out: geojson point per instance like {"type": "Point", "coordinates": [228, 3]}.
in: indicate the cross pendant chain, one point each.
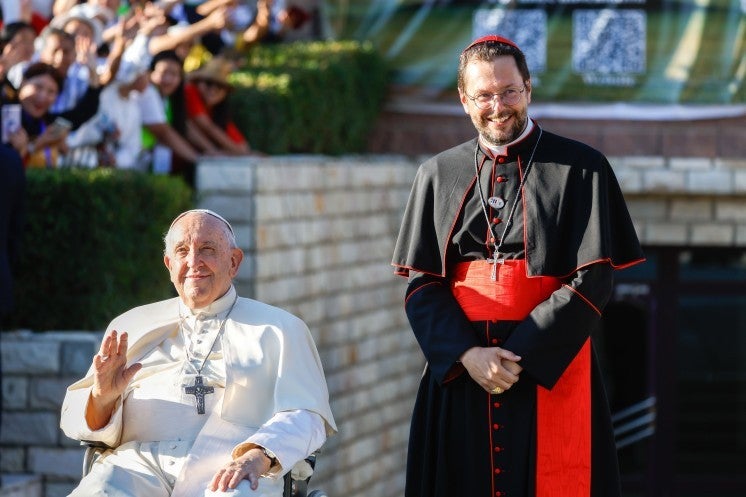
{"type": "Point", "coordinates": [498, 242]}
{"type": "Point", "coordinates": [495, 260]}
{"type": "Point", "coordinates": [199, 390]}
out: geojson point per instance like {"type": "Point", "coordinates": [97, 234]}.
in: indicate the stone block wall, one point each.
{"type": "Point", "coordinates": [684, 201]}
{"type": "Point", "coordinates": [318, 234]}
{"type": "Point", "coordinates": [36, 369]}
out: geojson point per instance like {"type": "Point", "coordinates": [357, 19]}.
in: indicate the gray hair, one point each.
{"type": "Point", "coordinates": [230, 236]}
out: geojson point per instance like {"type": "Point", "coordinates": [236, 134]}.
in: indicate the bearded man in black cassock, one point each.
{"type": "Point", "coordinates": [509, 242]}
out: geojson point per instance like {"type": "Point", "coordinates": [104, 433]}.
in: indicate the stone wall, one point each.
{"type": "Point", "coordinates": [684, 201]}
{"type": "Point", "coordinates": [318, 234]}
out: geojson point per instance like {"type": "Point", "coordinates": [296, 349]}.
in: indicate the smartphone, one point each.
{"type": "Point", "coordinates": [62, 123]}
{"type": "Point", "coordinates": [59, 127]}
{"type": "Point", "coordinates": [11, 119]}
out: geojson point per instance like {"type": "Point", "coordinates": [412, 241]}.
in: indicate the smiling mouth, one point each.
{"type": "Point", "coordinates": [500, 120]}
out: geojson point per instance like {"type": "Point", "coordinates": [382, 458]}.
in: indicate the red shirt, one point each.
{"type": "Point", "coordinates": [195, 107]}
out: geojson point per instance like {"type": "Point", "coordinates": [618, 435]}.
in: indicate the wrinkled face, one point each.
{"type": "Point", "coordinates": [22, 43]}
{"type": "Point", "coordinates": [37, 94]}
{"type": "Point", "coordinates": [58, 53]}
{"type": "Point", "coordinates": [200, 259]}
{"type": "Point", "coordinates": [166, 76]}
{"type": "Point", "coordinates": [499, 124]}
{"type": "Point", "coordinates": [212, 93]}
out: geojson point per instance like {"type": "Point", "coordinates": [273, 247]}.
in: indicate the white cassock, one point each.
{"type": "Point", "coordinates": [269, 390]}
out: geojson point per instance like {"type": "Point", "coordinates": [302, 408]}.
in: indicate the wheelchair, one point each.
{"type": "Point", "coordinates": [292, 487]}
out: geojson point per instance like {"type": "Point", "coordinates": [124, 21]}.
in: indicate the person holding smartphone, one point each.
{"type": "Point", "coordinates": [41, 136]}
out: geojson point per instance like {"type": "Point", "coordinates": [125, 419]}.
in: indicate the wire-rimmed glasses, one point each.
{"type": "Point", "coordinates": [510, 96]}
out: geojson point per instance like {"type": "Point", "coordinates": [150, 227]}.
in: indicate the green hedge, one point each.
{"type": "Point", "coordinates": [318, 97]}
{"type": "Point", "coordinates": [92, 246]}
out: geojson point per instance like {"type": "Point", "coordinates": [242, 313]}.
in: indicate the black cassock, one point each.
{"type": "Point", "coordinates": [570, 224]}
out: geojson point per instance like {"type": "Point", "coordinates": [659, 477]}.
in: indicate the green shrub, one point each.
{"type": "Point", "coordinates": [318, 97]}
{"type": "Point", "coordinates": [92, 246]}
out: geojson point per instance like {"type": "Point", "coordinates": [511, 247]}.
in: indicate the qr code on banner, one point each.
{"type": "Point", "coordinates": [608, 41]}
{"type": "Point", "coordinates": [527, 28]}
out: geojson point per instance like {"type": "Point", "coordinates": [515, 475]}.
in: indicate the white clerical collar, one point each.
{"type": "Point", "coordinates": [503, 149]}
{"type": "Point", "coordinates": [218, 306]}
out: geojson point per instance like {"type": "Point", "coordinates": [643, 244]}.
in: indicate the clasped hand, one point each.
{"type": "Point", "coordinates": [492, 367]}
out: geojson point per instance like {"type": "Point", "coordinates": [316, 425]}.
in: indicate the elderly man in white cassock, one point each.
{"type": "Point", "coordinates": [205, 394]}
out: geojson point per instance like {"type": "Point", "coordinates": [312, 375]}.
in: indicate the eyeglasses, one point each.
{"type": "Point", "coordinates": [511, 96]}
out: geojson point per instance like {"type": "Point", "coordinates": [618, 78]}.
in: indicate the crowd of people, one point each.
{"type": "Point", "coordinates": [122, 83]}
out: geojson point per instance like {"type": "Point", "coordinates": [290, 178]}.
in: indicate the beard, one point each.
{"type": "Point", "coordinates": [504, 136]}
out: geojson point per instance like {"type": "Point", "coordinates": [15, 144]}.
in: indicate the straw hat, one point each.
{"type": "Point", "coordinates": [105, 15]}
{"type": "Point", "coordinates": [216, 71]}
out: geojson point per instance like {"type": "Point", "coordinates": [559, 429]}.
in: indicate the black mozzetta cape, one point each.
{"type": "Point", "coordinates": [571, 200]}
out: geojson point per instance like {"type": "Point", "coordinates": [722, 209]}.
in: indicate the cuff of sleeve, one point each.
{"type": "Point", "coordinates": [74, 424]}
{"type": "Point", "coordinates": [457, 370]}
{"type": "Point", "coordinates": [110, 433]}
{"type": "Point", "coordinates": [275, 467]}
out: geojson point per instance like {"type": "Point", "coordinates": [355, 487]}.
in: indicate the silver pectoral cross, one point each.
{"type": "Point", "coordinates": [199, 390]}
{"type": "Point", "coordinates": [495, 260]}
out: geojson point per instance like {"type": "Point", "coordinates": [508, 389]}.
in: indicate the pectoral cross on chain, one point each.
{"type": "Point", "coordinates": [199, 390]}
{"type": "Point", "coordinates": [495, 260]}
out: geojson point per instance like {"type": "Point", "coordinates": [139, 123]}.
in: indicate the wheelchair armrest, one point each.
{"type": "Point", "coordinates": [94, 444]}
{"type": "Point", "coordinates": [298, 487]}
{"type": "Point", "coordinates": [93, 450]}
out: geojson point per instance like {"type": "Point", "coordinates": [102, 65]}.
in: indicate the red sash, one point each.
{"type": "Point", "coordinates": [563, 454]}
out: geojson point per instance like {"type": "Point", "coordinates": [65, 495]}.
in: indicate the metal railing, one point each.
{"type": "Point", "coordinates": [634, 423]}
